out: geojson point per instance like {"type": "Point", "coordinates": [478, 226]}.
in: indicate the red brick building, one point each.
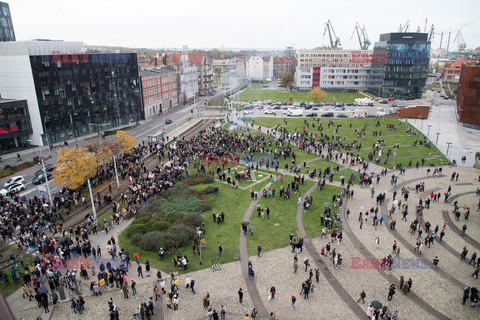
{"type": "Point", "coordinates": [282, 65]}
{"type": "Point", "coordinates": [452, 73]}
{"type": "Point", "coordinates": [468, 95]}
{"type": "Point", "coordinates": [159, 90]}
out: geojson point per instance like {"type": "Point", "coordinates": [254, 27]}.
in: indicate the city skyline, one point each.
{"type": "Point", "coordinates": [214, 24]}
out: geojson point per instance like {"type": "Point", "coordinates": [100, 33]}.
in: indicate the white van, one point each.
{"type": "Point", "coordinates": [296, 113]}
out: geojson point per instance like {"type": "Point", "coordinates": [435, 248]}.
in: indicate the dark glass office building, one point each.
{"type": "Point", "coordinates": [86, 93]}
{"type": "Point", "coordinates": [15, 126]}
{"type": "Point", "coordinates": [6, 25]}
{"type": "Point", "coordinates": [400, 65]}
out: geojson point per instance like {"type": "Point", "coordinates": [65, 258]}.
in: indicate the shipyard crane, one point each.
{"type": "Point", "coordinates": [334, 41]}
{"type": "Point", "coordinates": [362, 36]}
{"type": "Point", "coordinates": [431, 33]}
{"type": "Point", "coordinates": [404, 28]}
{"type": "Point", "coordinates": [461, 45]}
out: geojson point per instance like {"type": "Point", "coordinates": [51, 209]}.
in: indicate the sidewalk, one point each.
{"type": "Point", "coordinates": [443, 119]}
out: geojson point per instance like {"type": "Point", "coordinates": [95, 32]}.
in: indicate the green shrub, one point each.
{"type": "Point", "coordinates": [136, 238]}
{"type": "Point", "coordinates": [184, 205]}
{"type": "Point", "coordinates": [135, 228]}
{"type": "Point", "coordinates": [194, 179]}
{"type": "Point", "coordinates": [208, 190]}
{"type": "Point", "coordinates": [191, 220]}
{"type": "Point", "coordinates": [181, 234]}
{"type": "Point", "coordinates": [160, 224]}
{"type": "Point", "coordinates": [208, 179]}
{"type": "Point", "coordinates": [8, 167]}
{"type": "Point", "coordinates": [153, 240]}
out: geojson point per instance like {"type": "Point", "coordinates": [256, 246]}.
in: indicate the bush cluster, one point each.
{"type": "Point", "coordinates": [197, 178]}
{"type": "Point", "coordinates": [172, 217]}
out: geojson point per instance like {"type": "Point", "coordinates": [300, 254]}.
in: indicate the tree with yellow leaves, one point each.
{"type": "Point", "coordinates": [74, 166]}
{"type": "Point", "coordinates": [125, 141]}
{"type": "Point", "coordinates": [317, 94]}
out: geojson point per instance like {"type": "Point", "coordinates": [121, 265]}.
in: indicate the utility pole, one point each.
{"type": "Point", "coordinates": [429, 126]}
{"type": "Point", "coordinates": [438, 134]}
{"type": "Point", "coordinates": [116, 172]}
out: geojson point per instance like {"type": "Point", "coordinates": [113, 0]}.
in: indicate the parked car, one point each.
{"type": "Point", "coordinates": [168, 121]}
{"type": "Point", "coordinates": [269, 111]}
{"type": "Point", "coordinates": [13, 180]}
{"type": "Point", "coordinates": [313, 114]}
{"type": "Point", "coordinates": [295, 113]}
{"type": "Point", "coordinates": [328, 115]}
{"type": "Point", "coordinates": [48, 168]}
{"type": "Point", "coordinates": [390, 99]}
{"type": "Point", "coordinates": [277, 107]}
{"type": "Point", "coordinates": [248, 111]}
{"type": "Point", "coordinates": [17, 187]}
{"type": "Point", "coordinates": [41, 178]}
{"type": "Point", "coordinates": [342, 115]}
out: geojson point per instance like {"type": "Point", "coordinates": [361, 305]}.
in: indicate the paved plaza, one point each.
{"type": "Point", "coordinates": [435, 293]}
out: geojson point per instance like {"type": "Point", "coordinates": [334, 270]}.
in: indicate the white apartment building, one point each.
{"type": "Point", "coordinates": [322, 57]}
{"type": "Point", "coordinates": [344, 78]}
{"type": "Point", "coordinates": [304, 78]}
{"type": "Point", "coordinates": [254, 69]}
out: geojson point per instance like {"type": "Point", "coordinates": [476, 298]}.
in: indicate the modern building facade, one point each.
{"type": "Point", "coordinates": [290, 52]}
{"type": "Point", "coordinates": [159, 90]}
{"type": "Point", "coordinates": [400, 65]}
{"type": "Point", "coordinates": [468, 95]}
{"type": "Point", "coordinates": [70, 93]}
{"type": "Point", "coordinates": [15, 126]}
{"type": "Point", "coordinates": [6, 26]}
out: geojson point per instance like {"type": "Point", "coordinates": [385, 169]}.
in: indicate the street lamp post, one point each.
{"type": "Point", "coordinates": [429, 126]}
{"type": "Point", "coordinates": [93, 202]}
{"type": "Point", "coordinates": [438, 134]}
{"type": "Point", "coordinates": [116, 172]}
{"type": "Point", "coordinates": [448, 148]}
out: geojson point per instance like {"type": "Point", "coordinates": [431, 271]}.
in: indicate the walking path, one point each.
{"type": "Point", "coordinates": [244, 258]}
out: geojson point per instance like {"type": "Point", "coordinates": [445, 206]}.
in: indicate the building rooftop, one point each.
{"type": "Point", "coordinates": [156, 72]}
{"type": "Point", "coordinates": [10, 100]}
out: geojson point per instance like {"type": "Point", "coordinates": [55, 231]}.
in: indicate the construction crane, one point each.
{"type": "Point", "coordinates": [334, 43]}
{"type": "Point", "coordinates": [404, 28]}
{"type": "Point", "coordinates": [431, 33]}
{"type": "Point", "coordinates": [461, 45]}
{"type": "Point", "coordinates": [362, 36]}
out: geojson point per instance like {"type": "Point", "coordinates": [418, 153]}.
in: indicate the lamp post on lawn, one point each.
{"type": "Point", "coordinates": [448, 148]}
{"type": "Point", "coordinates": [429, 126]}
{"type": "Point", "coordinates": [438, 134]}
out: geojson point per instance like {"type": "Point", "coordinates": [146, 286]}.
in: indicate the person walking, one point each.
{"type": "Point", "coordinates": [223, 312]}
{"type": "Point", "coordinates": [240, 295]}
{"type": "Point", "coordinates": [377, 242]}
{"type": "Point", "coordinates": [125, 290]}
{"type": "Point", "coordinates": [362, 297]}
{"type": "Point", "coordinates": [272, 292]}
{"type": "Point", "coordinates": [134, 289]}
{"type": "Point", "coordinates": [259, 250]}
{"type": "Point", "coordinates": [293, 301]}
{"type": "Point", "coordinates": [391, 292]}
{"type": "Point", "coordinates": [435, 262]}
{"type": "Point", "coordinates": [295, 266]}
{"type": "Point", "coordinates": [139, 271]}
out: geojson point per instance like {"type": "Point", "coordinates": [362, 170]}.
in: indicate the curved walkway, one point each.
{"type": "Point", "coordinates": [244, 258]}
{"type": "Point", "coordinates": [332, 280]}
{"type": "Point", "coordinates": [405, 242]}
{"type": "Point", "coordinates": [452, 225]}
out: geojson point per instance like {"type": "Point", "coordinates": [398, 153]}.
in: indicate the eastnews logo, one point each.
{"type": "Point", "coordinates": [397, 263]}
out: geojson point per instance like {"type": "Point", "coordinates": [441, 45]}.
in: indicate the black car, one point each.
{"type": "Point", "coordinates": [48, 167]}
{"type": "Point", "coordinates": [308, 107]}
{"type": "Point", "coordinates": [276, 107]}
{"type": "Point", "coordinates": [342, 115]}
{"type": "Point", "coordinates": [41, 178]}
{"type": "Point", "coordinates": [168, 121]}
{"type": "Point", "coordinates": [313, 114]}
{"type": "Point", "coordinates": [328, 115]}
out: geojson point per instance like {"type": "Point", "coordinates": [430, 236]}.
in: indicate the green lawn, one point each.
{"type": "Point", "coordinates": [282, 212]}
{"type": "Point", "coordinates": [311, 218]}
{"type": "Point", "coordinates": [234, 203]}
{"type": "Point", "coordinates": [8, 290]}
{"type": "Point", "coordinates": [283, 95]}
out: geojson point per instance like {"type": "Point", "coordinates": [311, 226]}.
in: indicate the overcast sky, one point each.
{"type": "Point", "coordinates": [237, 24]}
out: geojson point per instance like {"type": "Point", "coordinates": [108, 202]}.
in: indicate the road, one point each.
{"type": "Point", "coordinates": [143, 132]}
